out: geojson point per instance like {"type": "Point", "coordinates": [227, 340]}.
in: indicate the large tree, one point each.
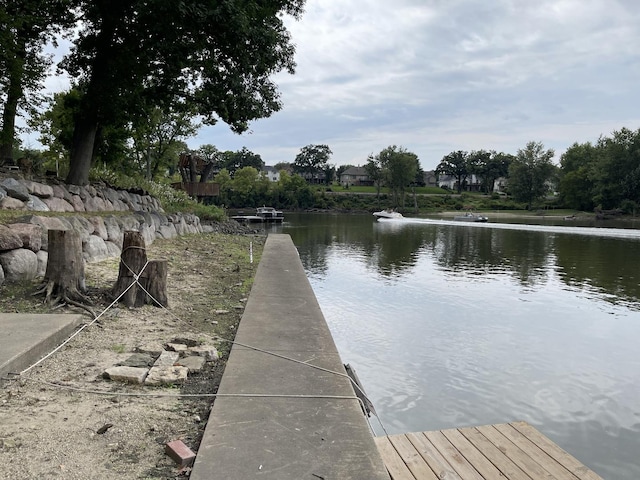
{"type": "Point", "coordinates": [455, 164]}
{"type": "Point", "coordinates": [217, 57]}
{"type": "Point", "coordinates": [490, 166]}
{"type": "Point", "coordinates": [578, 176]}
{"type": "Point", "coordinates": [312, 161]}
{"type": "Point", "coordinates": [234, 161]}
{"type": "Point", "coordinates": [25, 28]}
{"type": "Point", "coordinates": [399, 167]}
{"type": "Point", "coordinates": [530, 172]}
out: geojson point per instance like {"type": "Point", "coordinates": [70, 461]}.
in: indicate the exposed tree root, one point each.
{"type": "Point", "coordinates": [57, 296]}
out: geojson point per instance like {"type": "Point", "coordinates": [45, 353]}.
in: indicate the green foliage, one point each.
{"type": "Point", "coordinates": [530, 172]}
{"type": "Point", "coordinates": [457, 165]}
{"type": "Point", "coordinates": [217, 58]}
{"type": "Point", "coordinates": [312, 161]}
{"type": "Point", "coordinates": [397, 167]}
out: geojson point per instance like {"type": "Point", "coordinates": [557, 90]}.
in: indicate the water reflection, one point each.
{"type": "Point", "coordinates": [452, 326]}
{"type": "Point", "coordinates": [597, 265]}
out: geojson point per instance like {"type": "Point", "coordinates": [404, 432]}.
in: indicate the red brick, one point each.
{"type": "Point", "coordinates": [180, 453]}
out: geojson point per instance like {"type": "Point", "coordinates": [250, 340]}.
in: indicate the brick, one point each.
{"type": "Point", "coordinates": [207, 351]}
{"type": "Point", "coordinates": [193, 362]}
{"type": "Point", "coordinates": [166, 375]}
{"type": "Point", "coordinates": [127, 374]}
{"type": "Point", "coordinates": [180, 453]}
{"type": "Point", "coordinates": [167, 359]}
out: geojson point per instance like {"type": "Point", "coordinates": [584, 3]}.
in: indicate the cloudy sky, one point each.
{"type": "Point", "coordinates": [436, 76]}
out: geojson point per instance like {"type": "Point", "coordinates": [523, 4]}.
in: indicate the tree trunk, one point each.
{"type": "Point", "coordinates": [15, 70]}
{"type": "Point", "coordinates": [137, 275]}
{"type": "Point", "coordinates": [64, 279]}
{"type": "Point", "coordinates": [84, 136]}
{"type": "Point", "coordinates": [154, 281]}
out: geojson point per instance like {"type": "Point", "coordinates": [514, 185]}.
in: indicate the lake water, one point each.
{"type": "Point", "coordinates": [451, 325]}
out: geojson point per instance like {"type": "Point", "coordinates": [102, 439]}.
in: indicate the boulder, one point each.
{"type": "Point", "coordinates": [56, 204]}
{"type": "Point", "coordinates": [78, 204]}
{"type": "Point", "coordinates": [9, 239]}
{"type": "Point", "coordinates": [114, 230]}
{"type": "Point", "coordinates": [43, 258]}
{"type": "Point", "coordinates": [99, 228]}
{"type": "Point", "coordinates": [19, 265]}
{"type": "Point", "coordinates": [83, 226]}
{"type": "Point", "coordinates": [113, 249]}
{"type": "Point", "coordinates": [172, 375]}
{"type": "Point", "coordinates": [3, 193]}
{"type": "Point", "coordinates": [1, 275]}
{"type": "Point", "coordinates": [10, 203]}
{"type": "Point", "coordinates": [94, 249]}
{"type": "Point", "coordinates": [31, 235]}
{"type": "Point", "coordinates": [38, 189]}
{"type": "Point", "coordinates": [36, 205]}
{"type": "Point", "coordinates": [15, 189]}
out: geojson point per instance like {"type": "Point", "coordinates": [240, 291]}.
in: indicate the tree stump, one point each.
{"type": "Point", "coordinates": [136, 274]}
{"type": "Point", "coordinates": [64, 279]}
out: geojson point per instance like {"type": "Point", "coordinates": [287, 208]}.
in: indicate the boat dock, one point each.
{"type": "Point", "coordinates": [510, 451]}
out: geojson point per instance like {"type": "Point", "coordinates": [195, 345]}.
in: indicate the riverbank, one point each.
{"type": "Point", "coordinates": [103, 429]}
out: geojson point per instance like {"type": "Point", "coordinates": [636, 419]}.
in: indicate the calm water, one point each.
{"type": "Point", "coordinates": [453, 325]}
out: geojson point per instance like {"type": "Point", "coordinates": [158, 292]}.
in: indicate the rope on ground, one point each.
{"type": "Point", "coordinates": [233, 342]}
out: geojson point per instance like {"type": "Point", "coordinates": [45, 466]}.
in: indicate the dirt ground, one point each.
{"type": "Point", "coordinates": [104, 429]}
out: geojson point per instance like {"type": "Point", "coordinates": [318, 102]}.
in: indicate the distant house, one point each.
{"type": "Point", "coordinates": [271, 173]}
{"type": "Point", "coordinates": [355, 176]}
{"type": "Point", "coordinates": [430, 179]}
{"type": "Point", "coordinates": [472, 183]}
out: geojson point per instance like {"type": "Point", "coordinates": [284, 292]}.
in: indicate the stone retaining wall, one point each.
{"type": "Point", "coordinates": [23, 243]}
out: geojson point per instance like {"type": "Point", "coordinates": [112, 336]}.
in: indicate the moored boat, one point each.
{"type": "Point", "coordinates": [269, 214]}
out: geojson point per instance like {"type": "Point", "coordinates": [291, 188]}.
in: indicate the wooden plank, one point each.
{"type": "Point", "coordinates": [562, 457]}
{"type": "Point", "coordinates": [495, 456]}
{"type": "Point", "coordinates": [438, 463]}
{"type": "Point", "coordinates": [514, 453]}
{"type": "Point", "coordinates": [451, 444]}
{"type": "Point", "coordinates": [392, 460]}
{"type": "Point", "coordinates": [536, 453]}
{"type": "Point", "coordinates": [471, 453]}
{"type": "Point", "coordinates": [412, 459]}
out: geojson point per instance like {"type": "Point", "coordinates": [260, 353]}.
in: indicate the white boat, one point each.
{"type": "Point", "coordinates": [389, 214]}
{"type": "Point", "coordinates": [471, 217]}
{"type": "Point", "coordinates": [269, 214]}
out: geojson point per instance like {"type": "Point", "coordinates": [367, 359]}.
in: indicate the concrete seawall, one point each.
{"type": "Point", "coordinates": [282, 419]}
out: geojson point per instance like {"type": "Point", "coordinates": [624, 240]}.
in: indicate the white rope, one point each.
{"type": "Point", "coordinates": [233, 342]}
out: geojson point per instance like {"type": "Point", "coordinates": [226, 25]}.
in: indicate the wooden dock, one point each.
{"type": "Point", "coordinates": [510, 451]}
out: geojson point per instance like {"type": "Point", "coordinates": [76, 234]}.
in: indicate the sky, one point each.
{"type": "Point", "coordinates": [436, 76]}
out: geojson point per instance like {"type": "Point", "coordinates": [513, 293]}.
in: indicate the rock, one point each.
{"type": "Point", "coordinates": [114, 230]}
{"type": "Point", "coordinates": [36, 205]}
{"type": "Point", "coordinates": [113, 249]}
{"type": "Point", "coordinates": [154, 349]}
{"type": "Point", "coordinates": [38, 189]}
{"type": "Point", "coordinates": [126, 374]}
{"type": "Point", "coordinates": [15, 189]}
{"type": "Point", "coordinates": [30, 234]}
{"type": "Point", "coordinates": [139, 360]}
{"type": "Point", "coordinates": [3, 193]}
{"type": "Point", "coordinates": [207, 351]}
{"type": "Point", "coordinates": [1, 275]}
{"type": "Point", "coordinates": [176, 347]}
{"type": "Point", "coordinates": [19, 265]}
{"type": "Point", "coordinates": [166, 359]}
{"type": "Point", "coordinates": [56, 204]}
{"type": "Point", "coordinates": [60, 192]}
{"type": "Point", "coordinates": [167, 231]}
{"type": "Point", "coordinates": [43, 258]}
{"type": "Point", "coordinates": [189, 341]}
{"type": "Point", "coordinates": [81, 225]}
{"type": "Point", "coordinates": [99, 228]}
{"type": "Point", "coordinates": [77, 203]}
{"type": "Point", "coordinates": [166, 375]}
{"type": "Point", "coordinates": [9, 239]}
{"type": "Point", "coordinates": [94, 249]}
{"type": "Point", "coordinates": [10, 203]}
{"type": "Point", "coordinates": [193, 362]}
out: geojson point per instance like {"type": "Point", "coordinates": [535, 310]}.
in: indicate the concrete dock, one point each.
{"type": "Point", "coordinates": [28, 337]}
{"type": "Point", "coordinates": [275, 418]}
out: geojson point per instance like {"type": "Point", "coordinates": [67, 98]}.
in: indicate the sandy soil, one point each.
{"type": "Point", "coordinates": [47, 431]}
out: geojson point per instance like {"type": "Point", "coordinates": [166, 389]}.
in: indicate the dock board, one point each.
{"type": "Point", "coordinates": [510, 451]}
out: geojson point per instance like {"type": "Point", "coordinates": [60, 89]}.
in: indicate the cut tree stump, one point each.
{"type": "Point", "coordinates": [151, 275]}
{"type": "Point", "coordinates": [64, 280]}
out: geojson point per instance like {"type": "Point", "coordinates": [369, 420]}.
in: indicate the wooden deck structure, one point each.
{"type": "Point", "coordinates": [510, 451]}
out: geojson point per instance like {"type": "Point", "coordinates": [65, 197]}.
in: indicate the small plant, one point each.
{"type": "Point", "coordinates": [119, 348]}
